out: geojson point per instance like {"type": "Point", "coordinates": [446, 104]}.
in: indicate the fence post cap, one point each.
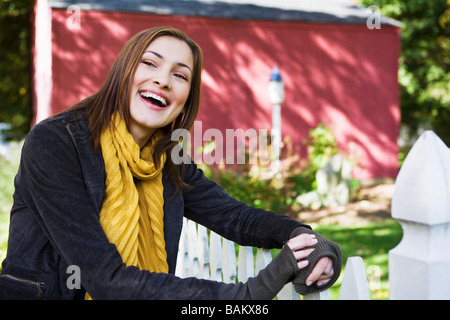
{"type": "Point", "coordinates": [422, 190]}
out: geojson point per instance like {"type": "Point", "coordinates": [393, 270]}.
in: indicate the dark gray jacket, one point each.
{"type": "Point", "coordinates": [59, 190]}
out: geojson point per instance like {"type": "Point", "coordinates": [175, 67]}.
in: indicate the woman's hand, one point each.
{"type": "Point", "coordinates": [301, 247]}
{"type": "Point", "coordinates": [322, 272]}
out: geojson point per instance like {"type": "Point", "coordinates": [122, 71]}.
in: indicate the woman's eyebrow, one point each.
{"type": "Point", "coordinates": [161, 57]}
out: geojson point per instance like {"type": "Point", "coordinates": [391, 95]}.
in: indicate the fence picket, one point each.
{"type": "Point", "coordinates": [203, 249]}
{"type": "Point", "coordinates": [192, 248]}
{"type": "Point", "coordinates": [263, 258]}
{"type": "Point", "coordinates": [228, 261]}
{"type": "Point", "coordinates": [182, 268]}
{"type": "Point", "coordinates": [354, 284]}
{"type": "Point", "coordinates": [215, 257]}
{"type": "Point", "coordinates": [246, 265]}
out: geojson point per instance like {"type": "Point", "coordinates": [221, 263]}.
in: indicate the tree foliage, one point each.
{"type": "Point", "coordinates": [424, 73]}
{"type": "Point", "coordinates": [15, 65]}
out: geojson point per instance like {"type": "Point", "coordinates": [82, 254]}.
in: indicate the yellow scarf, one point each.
{"type": "Point", "coordinates": [132, 211]}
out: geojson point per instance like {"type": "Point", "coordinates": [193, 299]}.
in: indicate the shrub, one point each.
{"type": "Point", "coordinates": [277, 192]}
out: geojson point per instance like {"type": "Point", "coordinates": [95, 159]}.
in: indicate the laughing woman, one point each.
{"type": "Point", "coordinates": [97, 189]}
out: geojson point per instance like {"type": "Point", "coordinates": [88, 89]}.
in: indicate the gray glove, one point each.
{"type": "Point", "coordinates": [323, 248]}
{"type": "Point", "coordinates": [269, 281]}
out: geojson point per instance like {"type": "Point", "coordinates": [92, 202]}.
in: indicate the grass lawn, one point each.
{"type": "Point", "coordinates": [371, 242]}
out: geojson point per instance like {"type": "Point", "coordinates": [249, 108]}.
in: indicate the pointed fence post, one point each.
{"type": "Point", "coordinates": [192, 245]}
{"type": "Point", "coordinates": [228, 261]}
{"type": "Point", "coordinates": [203, 252]}
{"type": "Point", "coordinates": [263, 258]}
{"type": "Point", "coordinates": [215, 256]}
{"type": "Point", "coordinates": [246, 264]}
{"type": "Point", "coordinates": [354, 284]}
{"type": "Point", "coordinates": [419, 267]}
{"type": "Point", "coordinates": [182, 267]}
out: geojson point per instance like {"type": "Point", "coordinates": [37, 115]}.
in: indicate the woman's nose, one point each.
{"type": "Point", "coordinates": [162, 79]}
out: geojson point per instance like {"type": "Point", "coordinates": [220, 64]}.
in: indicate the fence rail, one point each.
{"type": "Point", "coordinates": [206, 255]}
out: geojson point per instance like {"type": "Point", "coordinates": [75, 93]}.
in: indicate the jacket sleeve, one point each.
{"type": "Point", "coordinates": [208, 204]}
{"type": "Point", "coordinates": [51, 183]}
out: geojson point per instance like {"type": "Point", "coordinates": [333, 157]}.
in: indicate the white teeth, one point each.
{"type": "Point", "coordinates": [146, 94]}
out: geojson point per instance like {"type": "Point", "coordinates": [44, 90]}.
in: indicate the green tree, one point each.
{"type": "Point", "coordinates": [15, 65]}
{"type": "Point", "coordinates": [424, 73]}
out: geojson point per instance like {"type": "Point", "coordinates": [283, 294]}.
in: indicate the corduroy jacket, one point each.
{"type": "Point", "coordinates": [54, 224]}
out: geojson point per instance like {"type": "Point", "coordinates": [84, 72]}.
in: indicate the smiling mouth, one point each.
{"type": "Point", "coordinates": [154, 99]}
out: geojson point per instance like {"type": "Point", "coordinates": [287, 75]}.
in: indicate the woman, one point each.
{"type": "Point", "coordinates": [96, 189]}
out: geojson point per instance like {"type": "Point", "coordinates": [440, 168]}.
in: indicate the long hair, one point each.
{"type": "Point", "coordinates": [114, 95]}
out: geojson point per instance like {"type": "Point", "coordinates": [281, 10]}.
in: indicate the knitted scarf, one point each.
{"type": "Point", "coordinates": [132, 210]}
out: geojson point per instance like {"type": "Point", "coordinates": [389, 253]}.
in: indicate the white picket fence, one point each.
{"type": "Point", "coordinates": [419, 267]}
{"type": "Point", "coordinates": [206, 255]}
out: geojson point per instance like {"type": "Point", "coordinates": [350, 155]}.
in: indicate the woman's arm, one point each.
{"type": "Point", "coordinates": [208, 204]}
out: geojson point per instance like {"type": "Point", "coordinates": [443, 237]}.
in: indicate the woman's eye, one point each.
{"type": "Point", "coordinates": [178, 75]}
{"type": "Point", "coordinates": [148, 63]}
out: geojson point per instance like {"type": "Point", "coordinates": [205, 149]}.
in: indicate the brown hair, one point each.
{"type": "Point", "coordinates": [114, 95]}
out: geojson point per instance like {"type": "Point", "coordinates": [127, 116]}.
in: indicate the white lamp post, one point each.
{"type": "Point", "coordinates": [276, 97]}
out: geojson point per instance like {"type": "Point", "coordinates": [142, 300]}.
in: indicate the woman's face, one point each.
{"type": "Point", "coordinates": [160, 86]}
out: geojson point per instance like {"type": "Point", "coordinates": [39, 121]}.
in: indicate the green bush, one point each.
{"type": "Point", "coordinates": [278, 192]}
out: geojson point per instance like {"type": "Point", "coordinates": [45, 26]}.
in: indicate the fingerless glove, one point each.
{"type": "Point", "coordinates": [323, 248]}
{"type": "Point", "coordinates": [269, 281]}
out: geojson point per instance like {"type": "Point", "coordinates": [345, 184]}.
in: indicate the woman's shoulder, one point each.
{"type": "Point", "coordinates": [58, 123]}
{"type": "Point", "coordinates": [56, 131]}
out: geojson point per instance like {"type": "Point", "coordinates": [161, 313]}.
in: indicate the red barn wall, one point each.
{"type": "Point", "coordinates": [343, 75]}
